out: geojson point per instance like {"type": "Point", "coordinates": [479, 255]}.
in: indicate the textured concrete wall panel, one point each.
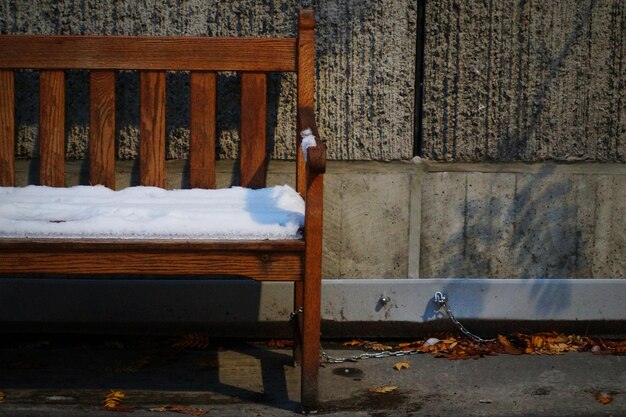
{"type": "Point", "coordinates": [528, 80]}
{"type": "Point", "coordinates": [365, 71]}
{"type": "Point", "coordinates": [366, 56]}
{"type": "Point", "coordinates": [543, 223]}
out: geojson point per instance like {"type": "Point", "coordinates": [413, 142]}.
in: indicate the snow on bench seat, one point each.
{"type": "Point", "coordinates": [150, 213]}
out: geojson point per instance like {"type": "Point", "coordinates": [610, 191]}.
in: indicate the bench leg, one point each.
{"type": "Point", "coordinates": [298, 303]}
{"type": "Point", "coordinates": [310, 345]}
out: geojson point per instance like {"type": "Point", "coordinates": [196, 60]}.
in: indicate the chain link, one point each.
{"type": "Point", "coordinates": [441, 300]}
{"type": "Point", "coordinates": [376, 355]}
{"type": "Point", "coordinates": [294, 314]}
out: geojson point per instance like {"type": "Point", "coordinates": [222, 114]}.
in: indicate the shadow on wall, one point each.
{"type": "Point", "coordinates": [506, 225]}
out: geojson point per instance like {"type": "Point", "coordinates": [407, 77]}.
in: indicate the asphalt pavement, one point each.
{"type": "Point", "coordinates": [72, 375]}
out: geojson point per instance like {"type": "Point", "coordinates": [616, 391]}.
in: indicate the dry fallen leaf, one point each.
{"type": "Point", "coordinates": [508, 347]}
{"type": "Point", "coordinates": [384, 389]}
{"type": "Point", "coordinates": [113, 401]}
{"type": "Point", "coordinates": [603, 397]}
{"type": "Point", "coordinates": [199, 341]}
{"type": "Point", "coordinates": [274, 343]}
{"type": "Point", "coordinates": [546, 343]}
{"type": "Point", "coordinates": [182, 409]}
{"type": "Point", "coordinates": [401, 365]}
{"type": "Point", "coordinates": [409, 344]}
{"type": "Point", "coordinates": [380, 346]}
{"type": "Point", "coordinates": [353, 343]}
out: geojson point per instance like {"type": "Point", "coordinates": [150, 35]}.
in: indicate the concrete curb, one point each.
{"type": "Point", "coordinates": [350, 308]}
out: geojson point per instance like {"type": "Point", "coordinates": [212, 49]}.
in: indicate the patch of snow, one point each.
{"type": "Point", "coordinates": [308, 140]}
{"type": "Point", "coordinates": [150, 213]}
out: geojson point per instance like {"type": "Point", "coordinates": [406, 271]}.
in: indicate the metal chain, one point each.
{"type": "Point", "coordinates": [442, 301]}
{"type": "Point", "coordinates": [294, 314]}
{"type": "Point", "coordinates": [376, 355]}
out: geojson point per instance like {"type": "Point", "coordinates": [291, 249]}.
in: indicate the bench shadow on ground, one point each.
{"type": "Point", "coordinates": [152, 368]}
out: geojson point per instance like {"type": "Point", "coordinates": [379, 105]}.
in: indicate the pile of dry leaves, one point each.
{"type": "Point", "coordinates": [453, 347]}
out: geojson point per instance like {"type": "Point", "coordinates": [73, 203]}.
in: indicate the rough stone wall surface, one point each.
{"type": "Point", "coordinates": [365, 71]}
{"type": "Point", "coordinates": [525, 80]}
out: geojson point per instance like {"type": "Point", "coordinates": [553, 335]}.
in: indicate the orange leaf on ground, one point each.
{"type": "Point", "coordinates": [198, 341]}
{"type": "Point", "coordinates": [279, 343]}
{"type": "Point", "coordinates": [409, 344]}
{"type": "Point", "coordinates": [380, 346]}
{"type": "Point", "coordinates": [401, 365]}
{"type": "Point", "coordinates": [384, 389]}
{"type": "Point", "coordinates": [508, 347]}
{"type": "Point", "coordinates": [353, 343]}
{"type": "Point", "coordinates": [603, 397]}
{"type": "Point", "coordinates": [112, 402]}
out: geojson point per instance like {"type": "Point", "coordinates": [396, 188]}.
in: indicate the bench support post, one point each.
{"type": "Point", "coordinates": [312, 293]}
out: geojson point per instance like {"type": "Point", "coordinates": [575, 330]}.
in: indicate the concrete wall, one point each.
{"type": "Point", "coordinates": [503, 81]}
{"type": "Point", "coordinates": [365, 71]}
{"type": "Point", "coordinates": [525, 80]}
{"type": "Point", "coordinates": [524, 221]}
{"type": "Point", "coordinates": [438, 220]}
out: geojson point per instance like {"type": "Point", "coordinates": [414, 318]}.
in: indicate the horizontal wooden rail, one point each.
{"type": "Point", "coordinates": [8, 245]}
{"type": "Point", "coordinates": [148, 53]}
{"type": "Point", "coordinates": [267, 260]}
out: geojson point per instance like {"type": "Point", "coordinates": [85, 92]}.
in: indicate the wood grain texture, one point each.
{"type": "Point", "coordinates": [203, 130]}
{"type": "Point", "coordinates": [305, 91]}
{"type": "Point", "coordinates": [148, 53]}
{"type": "Point", "coordinates": [52, 128]}
{"type": "Point", "coordinates": [102, 128]}
{"type": "Point", "coordinates": [7, 129]}
{"type": "Point", "coordinates": [252, 165]}
{"type": "Point", "coordinates": [267, 267]}
{"type": "Point", "coordinates": [312, 291]}
{"type": "Point", "coordinates": [152, 126]}
{"type": "Point", "coordinates": [266, 260]}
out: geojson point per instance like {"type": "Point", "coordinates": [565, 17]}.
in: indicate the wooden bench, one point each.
{"type": "Point", "coordinates": [296, 260]}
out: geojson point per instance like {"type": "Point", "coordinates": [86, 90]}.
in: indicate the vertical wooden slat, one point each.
{"type": "Point", "coordinates": [203, 129]}
{"type": "Point", "coordinates": [52, 128]}
{"type": "Point", "coordinates": [152, 129]}
{"type": "Point", "coordinates": [7, 129]}
{"type": "Point", "coordinates": [252, 131]}
{"type": "Point", "coordinates": [306, 86]}
{"type": "Point", "coordinates": [102, 128]}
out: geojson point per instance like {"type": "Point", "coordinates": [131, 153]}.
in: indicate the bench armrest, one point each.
{"type": "Point", "coordinates": [316, 155]}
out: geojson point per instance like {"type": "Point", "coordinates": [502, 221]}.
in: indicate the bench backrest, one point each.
{"type": "Point", "coordinates": [152, 57]}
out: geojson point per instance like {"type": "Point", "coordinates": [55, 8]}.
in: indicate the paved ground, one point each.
{"type": "Point", "coordinates": [43, 376]}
